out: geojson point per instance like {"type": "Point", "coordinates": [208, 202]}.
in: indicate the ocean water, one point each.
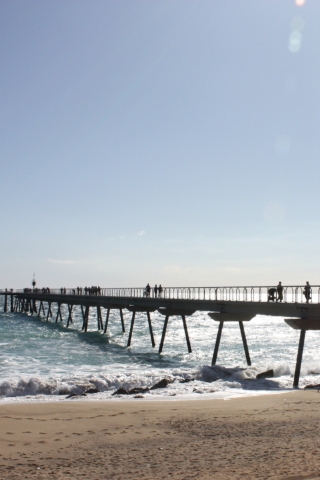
{"type": "Point", "coordinates": [45, 361]}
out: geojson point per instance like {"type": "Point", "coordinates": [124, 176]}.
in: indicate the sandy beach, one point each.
{"type": "Point", "coordinates": [264, 437]}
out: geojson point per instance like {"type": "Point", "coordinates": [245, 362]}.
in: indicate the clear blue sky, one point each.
{"type": "Point", "coordinates": [161, 141]}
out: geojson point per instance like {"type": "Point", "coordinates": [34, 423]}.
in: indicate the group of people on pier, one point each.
{"type": "Point", "coordinates": [157, 291]}
{"type": "Point", "coordinates": [91, 291]}
{"type": "Point", "coordinates": [37, 290]}
{"type": "Point", "coordinates": [85, 290]}
{"type": "Point", "coordinates": [275, 294]}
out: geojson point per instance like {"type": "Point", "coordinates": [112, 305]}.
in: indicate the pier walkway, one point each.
{"type": "Point", "coordinates": [223, 304]}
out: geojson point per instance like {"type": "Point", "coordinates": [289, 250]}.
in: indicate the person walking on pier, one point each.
{"type": "Point", "coordinates": [307, 292]}
{"type": "Point", "coordinates": [160, 290]}
{"type": "Point", "coordinates": [280, 292]}
{"type": "Point", "coordinates": [155, 291]}
{"type": "Point", "coordinates": [148, 289]}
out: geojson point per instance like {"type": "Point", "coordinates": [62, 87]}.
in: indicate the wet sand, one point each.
{"type": "Point", "coordinates": [265, 437]}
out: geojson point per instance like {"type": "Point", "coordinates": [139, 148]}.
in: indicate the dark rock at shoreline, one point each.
{"type": "Point", "coordinates": [133, 391]}
{"type": "Point", "coordinates": [162, 384]}
{"type": "Point", "coordinates": [121, 391]}
{"type": "Point", "coordinates": [267, 374]}
{"type": "Point", "coordinates": [73, 395]}
{"type": "Point", "coordinates": [316, 387]}
{"type": "Point", "coordinates": [137, 390]}
{"type": "Point", "coordinates": [92, 390]}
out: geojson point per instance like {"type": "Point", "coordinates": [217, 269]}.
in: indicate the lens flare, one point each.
{"type": "Point", "coordinates": [299, 3]}
{"type": "Point", "coordinates": [295, 41]}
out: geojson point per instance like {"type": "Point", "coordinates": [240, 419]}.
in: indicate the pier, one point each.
{"type": "Point", "coordinates": [222, 304]}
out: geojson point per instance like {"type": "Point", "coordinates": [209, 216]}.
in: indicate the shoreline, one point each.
{"type": "Point", "coordinates": [186, 397]}
{"type": "Point", "coordinates": [256, 437]}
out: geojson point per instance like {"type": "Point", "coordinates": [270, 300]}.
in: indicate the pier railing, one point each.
{"type": "Point", "coordinates": [291, 294]}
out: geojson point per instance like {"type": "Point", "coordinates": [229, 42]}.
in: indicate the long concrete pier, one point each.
{"type": "Point", "coordinates": [223, 304]}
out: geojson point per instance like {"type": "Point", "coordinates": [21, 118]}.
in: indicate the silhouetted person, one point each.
{"type": "Point", "coordinates": [272, 294]}
{"type": "Point", "coordinates": [307, 292]}
{"type": "Point", "coordinates": [155, 291]}
{"type": "Point", "coordinates": [280, 292]}
{"type": "Point", "coordinates": [148, 290]}
{"type": "Point", "coordinates": [160, 290]}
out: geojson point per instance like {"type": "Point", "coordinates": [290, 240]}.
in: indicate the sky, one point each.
{"type": "Point", "coordinates": [161, 141]}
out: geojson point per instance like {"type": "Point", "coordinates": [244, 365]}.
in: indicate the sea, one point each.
{"type": "Point", "coordinates": [43, 361]}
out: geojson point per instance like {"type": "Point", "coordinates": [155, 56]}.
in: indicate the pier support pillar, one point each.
{"type": "Point", "coordinates": [70, 307]}
{"type": "Point", "coordinates": [150, 329]}
{"type": "Point", "coordinates": [49, 311]}
{"type": "Point", "coordinates": [230, 317]}
{"type": "Point", "coordinates": [41, 308]}
{"type": "Point", "coordinates": [131, 328]}
{"type": "Point", "coordinates": [99, 318]}
{"type": "Point", "coordinates": [122, 321]}
{"type": "Point", "coordinates": [302, 324]}
{"type": "Point", "coordinates": [299, 359]}
{"type": "Point", "coordinates": [59, 313]}
{"type": "Point", "coordinates": [163, 333]}
{"type": "Point", "coordinates": [186, 333]}
{"type": "Point", "coordinates": [107, 321]}
{"type": "Point", "coordinates": [172, 312]}
{"type": "Point", "coordinates": [12, 308]}
{"type": "Point", "coordinates": [16, 305]}
{"type": "Point", "coordinates": [216, 347]}
{"type": "Point", "coordinates": [245, 345]}
{"type": "Point", "coordinates": [85, 315]}
{"type": "Point", "coordinates": [134, 310]}
{"type": "Point", "coordinates": [115, 307]}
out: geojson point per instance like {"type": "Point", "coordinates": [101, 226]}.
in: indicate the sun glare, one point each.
{"type": "Point", "coordinates": [300, 2]}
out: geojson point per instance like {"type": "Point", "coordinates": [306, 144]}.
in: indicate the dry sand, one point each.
{"type": "Point", "coordinates": [265, 437]}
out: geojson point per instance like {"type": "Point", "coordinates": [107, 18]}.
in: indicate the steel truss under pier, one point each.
{"type": "Point", "coordinates": [304, 316]}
